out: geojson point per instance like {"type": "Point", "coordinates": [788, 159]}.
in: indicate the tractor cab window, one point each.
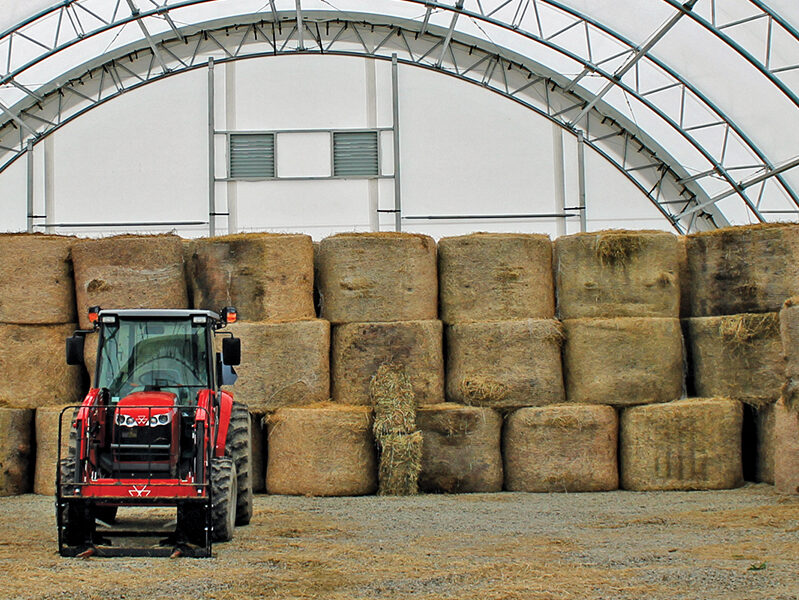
{"type": "Point", "coordinates": [154, 355]}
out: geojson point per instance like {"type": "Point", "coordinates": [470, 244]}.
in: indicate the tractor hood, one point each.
{"type": "Point", "coordinates": [146, 408]}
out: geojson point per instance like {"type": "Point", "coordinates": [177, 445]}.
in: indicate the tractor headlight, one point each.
{"type": "Point", "coordinates": [120, 420]}
{"type": "Point", "coordinates": [153, 421]}
{"type": "Point", "coordinates": [163, 419]}
{"type": "Point", "coordinates": [157, 420]}
{"type": "Point", "coordinates": [130, 422]}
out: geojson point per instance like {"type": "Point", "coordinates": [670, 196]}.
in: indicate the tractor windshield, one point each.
{"type": "Point", "coordinates": [143, 355]}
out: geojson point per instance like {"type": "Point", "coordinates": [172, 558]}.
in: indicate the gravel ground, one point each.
{"type": "Point", "coordinates": [740, 543]}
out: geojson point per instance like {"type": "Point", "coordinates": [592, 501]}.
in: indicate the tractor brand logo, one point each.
{"type": "Point", "coordinates": [139, 491]}
{"type": "Point", "coordinates": [142, 420]}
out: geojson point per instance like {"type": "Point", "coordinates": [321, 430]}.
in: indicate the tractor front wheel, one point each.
{"type": "Point", "coordinates": [77, 521]}
{"type": "Point", "coordinates": [238, 447]}
{"type": "Point", "coordinates": [191, 516]}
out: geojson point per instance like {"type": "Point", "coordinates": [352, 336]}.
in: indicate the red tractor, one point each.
{"type": "Point", "coordinates": [156, 430]}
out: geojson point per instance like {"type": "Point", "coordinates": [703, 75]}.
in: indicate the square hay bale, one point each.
{"type": "Point", "coordinates": [496, 277]}
{"type": "Point", "coordinates": [16, 451]}
{"type": "Point", "coordinates": [258, 442]}
{"type": "Point", "coordinates": [393, 401]}
{"type": "Point", "coordinates": [283, 364]}
{"type": "Point", "coordinates": [400, 463]}
{"type": "Point", "coordinates": [322, 450]}
{"type": "Point", "coordinates": [789, 334]}
{"type": "Point", "coordinates": [34, 371]}
{"type": "Point", "coordinates": [461, 449]}
{"type": "Point", "coordinates": [365, 277]}
{"type": "Point", "coordinates": [749, 269]}
{"type": "Point", "coordinates": [736, 356]}
{"type": "Point", "coordinates": [266, 276]}
{"type": "Point", "coordinates": [567, 448]}
{"type": "Point", "coordinates": [129, 271]}
{"type": "Point", "coordinates": [618, 273]}
{"type": "Point", "coordinates": [358, 350]}
{"type": "Point", "coordinates": [691, 444]}
{"type": "Point", "coordinates": [37, 262]}
{"type": "Point", "coordinates": [47, 423]}
{"type": "Point", "coordinates": [623, 361]}
{"type": "Point", "coordinates": [503, 364]}
{"type": "Point", "coordinates": [786, 448]}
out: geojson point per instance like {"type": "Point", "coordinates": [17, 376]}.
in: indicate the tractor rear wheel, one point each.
{"type": "Point", "coordinates": [191, 516]}
{"type": "Point", "coordinates": [238, 447]}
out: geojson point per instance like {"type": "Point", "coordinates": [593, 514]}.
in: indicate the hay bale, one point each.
{"type": "Point", "coordinates": [748, 269]}
{"type": "Point", "coordinates": [461, 449]}
{"type": "Point", "coordinates": [258, 443]}
{"type": "Point", "coordinates": [283, 364]}
{"type": "Point", "coordinates": [47, 419]}
{"type": "Point", "coordinates": [789, 334]}
{"type": "Point", "coordinates": [34, 371]}
{"type": "Point", "coordinates": [618, 273]}
{"type": "Point", "coordinates": [505, 363]}
{"type": "Point", "coordinates": [358, 350]}
{"type": "Point", "coordinates": [41, 263]}
{"type": "Point", "coordinates": [495, 277]}
{"type": "Point", "coordinates": [392, 398]}
{"type": "Point", "coordinates": [623, 361]}
{"type": "Point", "coordinates": [267, 277]}
{"type": "Point", "coordinates": [786, 451]}
{"type": "Point", "coordinates": [366, 277]}
{"type": "Point", "coordinates": [736, 356]}
{"type": "Point", "coordinates": [321, 450]}
{"type": "Point", "coordinates": [400, 463]}
{"type": "Point", "coordinates": [567, 448]}
{"type": "Point", "coordinates": [692, 444]}
{"type": "Point", "coordinates": [16, 451]}
{"type": "Point", "coordinates": [129, 271]}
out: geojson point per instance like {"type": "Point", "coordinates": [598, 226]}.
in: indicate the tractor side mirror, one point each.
{"type": "Point", "coordinates": [231, 351]}
{"type": "Point", "coordinates": [75, 349]}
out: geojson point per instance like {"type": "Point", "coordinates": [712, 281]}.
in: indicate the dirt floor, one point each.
{"type": "Point", "coordinates": [733, 544]}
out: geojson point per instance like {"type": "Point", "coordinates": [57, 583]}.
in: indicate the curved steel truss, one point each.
{"type": "Point", "coordinates": [520, 49]}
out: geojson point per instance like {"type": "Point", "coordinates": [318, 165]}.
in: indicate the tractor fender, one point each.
{"type": "Point", "coordinates": [225, 409]}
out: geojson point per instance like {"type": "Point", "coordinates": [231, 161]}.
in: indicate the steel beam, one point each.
{"type": "Point", "coordinates": [135, 12]}
{"type": "Point", "coordinates": [211, 151]}
{"type": "Point", "coordinates": [395, 124]}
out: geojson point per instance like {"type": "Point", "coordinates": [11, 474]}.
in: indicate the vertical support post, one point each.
{"type": "Point", "coordinates": [395, 113]}
{"type": "Point", "coordinates": [29, 185]}
{"type": "Point", "coordinates": [373, 188]}
{"type": "Point", "coordinates": [581, 180]}
{"type": "Point", "coordinates": [49, 183]}
{"type": "Point", "coordinates": [211, 152]}
{"type": "Point", "coordinates": [559, 173]}
{"type": "Point", "coordinates": [300, 42]}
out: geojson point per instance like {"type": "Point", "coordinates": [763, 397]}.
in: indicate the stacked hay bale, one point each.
{"type": "Point", "coordinates": [786, 411]}
{"type": "Point", "coordinates": [16, 451]}
{"type": "Point", "coordinates": [48, 421]}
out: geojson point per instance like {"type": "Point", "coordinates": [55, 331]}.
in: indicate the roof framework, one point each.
{"type": "Point", "coordinates": [657, 126]}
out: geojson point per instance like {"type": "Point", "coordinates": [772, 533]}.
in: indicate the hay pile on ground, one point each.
{"type": "Point", "coordinates": [129, 271]}
{"type": "Point", "coordinates": [495, 277]}
{"type": "Point", "coordinates": [16, 451]}
{"type": "Point", "coordinates": [366, 277]}
{"type": "Point", "coordinates": [786, 452]}
{"type": "Point", "coordinates": [566, 448]}
{"type": "Point", "coordinates": [623, 361]}
{"type": "Point", "coordinates": [258, 442]}
{"type": "Point", "coordinates": [749, 269]}
{"type": "Point", "coordinates": [36, 285]}
{"type": "Point", "coordinates": [736, 356]}
{"type": "Point", "coordinates": [400, 464]}
{"type": "Point", "coordinates": [267, 277]}
{"type": "Point", "coordinates": [47, 420]}
{"type": "Point", "coordinates": [461, 449]}
{"type": "Point", "coordinates": [358, 349]}
{"type": "Point", "coordinates": [505, 363]}
{"type": "Point", "coordinates": [692, 444]}
{"type": "Point", "coordinates": [789, 334]}
{"type": "Point", "coordinates": [618, 273]}
{"type": "Point", "coordinates": [322, 450]}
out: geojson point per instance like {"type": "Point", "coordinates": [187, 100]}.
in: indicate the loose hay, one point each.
{"type": "Point", "coordinates": [16, 451]}
{"type": "Point", "coordinates": [692, 444]}
{"type": "Point", "coordinates": [736, 356]}
{"type": "Point", "coordinates": [129, 272]}
{"type": "Point", "coordinates": [786, 451]}
{"type": "Point", "coordinates": [358, 350]}
{"type": "Point", "coordinates": [36, 262]}
{"type": "Point", "coordinates": [461, 449]}
{"type": "Point", "coordinates": [789, 334]}
{"type": "Point", "coordinates": [393, 400]}
{"type": "Point", "coordinates": [322, 450]}
{"type": "Point", "coordinates": [623, 361]}
{"type": "Point", "coordinates": [267, 277]}
{"type": "Point", "coordinates": [34, 372]}
{"type": "Point", "coordinates": [400, 463]}
{"type": "Point", "coordinates": [496, 277]}
{"type": "Point", "coordinates": [566, 448]}
{"type": "Point", "coordinates": [749, 269]}
{"type": "Point", "coordinates": [505, 363]}
{"type": "Point", "coordinates": [366, 277]}
{"type": "Point", "coordinates": [47, 419]}
{"type": "Point", "coordinates": [618, 273]}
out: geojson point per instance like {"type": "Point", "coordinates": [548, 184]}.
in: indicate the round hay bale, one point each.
{"type": "Point", "coordinates": [34, 371]}
{"type": "Point", "coordinates": [691, 444]}
{"type": "Point", "coordinates": [400, 464]}
{"type": "Point", "coordinates": [16, 451]}
{"type": "Point", "coordinates": [496, 277]}
{"type": "Point", "coordinates": [267, 277]}
{"type": "Point", "coordinates": [789, 334]}
{"type": "Point", "coordinates": [505, 363]}
{"type": "Point", "coordinates": [258, 441]}
{"type": "Point", "coordinates": [365, 277]}
{"type": "Point", "coordinates": [748, 269]}
{"type": "Point", "coordinates": [41, 263]}
{"type": "Point", "coordinates": [736, 356]}
{"type": "Point", "coordinates": [90, 356]}
{"type": "Point", "coordinates": [358, 350]}
{"type": "Point", "coordinates": [283, 364]}
{"type": "Point", "coordinates": [786, 452]}
{"type": "Point", "coordinates": [129, 271]}
{"type": "Point", "coordinates": [567, 448]}
{"type": "Point", "coordinates": [623, 361]}
{"type": "Point", "coordinates": [618, 273]}
{"type": "Point", "coordinates": [322, 450]}
{"type": "Point", "coordinates": [47, 420]}
{"type": "Point", "coordinates": [461, 450]}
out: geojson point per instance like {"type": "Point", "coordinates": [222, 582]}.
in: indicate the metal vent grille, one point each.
{"type": "Point", "coordinates": [355, 154]}
{"type": "Point", "coordinates": [252, 155]}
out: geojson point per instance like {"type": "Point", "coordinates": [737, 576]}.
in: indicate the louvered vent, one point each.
{"type": "Point", "coordinates": [355, 154]}
{"type": "Point", "coordinates": [252, 155]}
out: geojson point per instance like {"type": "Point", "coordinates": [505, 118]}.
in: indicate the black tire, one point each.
{"type": "Point", "coordinates": [76, 518]}
{"type": "Point", "coordinates": [238, 446]}
{"type": "Point", "coordinates": [191, 516]}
